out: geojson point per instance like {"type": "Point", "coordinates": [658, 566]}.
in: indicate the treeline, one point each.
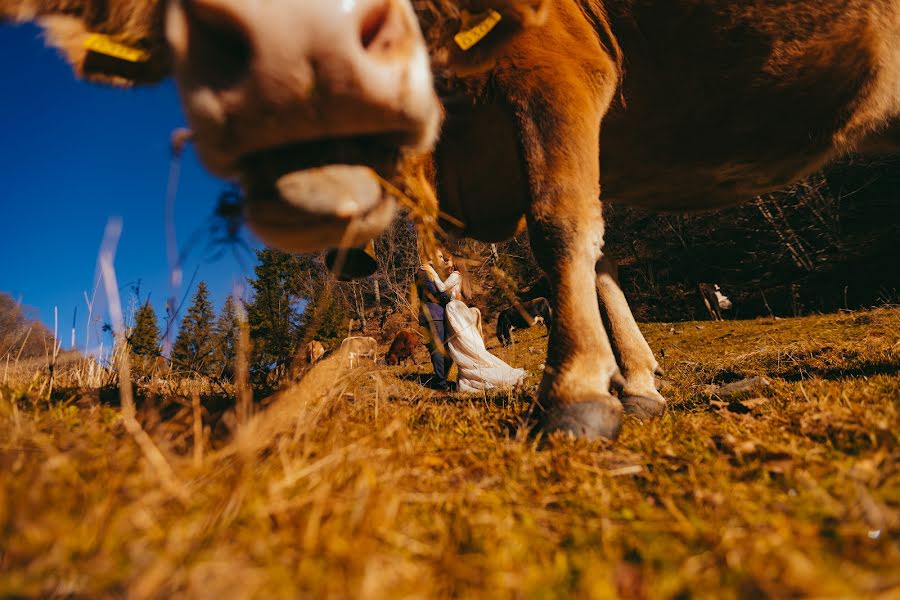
{"type": "Point", "coordinates": [21, 336]}
{"type": "Point", "coordinates": [292, 299]}
{"type": "Point", "coordinates": [829, 242]}
{"type": "Point", "coordinates": [205, 344]}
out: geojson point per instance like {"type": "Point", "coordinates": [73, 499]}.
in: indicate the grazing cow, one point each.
{"type": "Point", "coordinates": [356, 349]}
{"type": "Point", "coordinates": [703, 103]}
{"type": "Point", "coordinates": [714, 300]}
{"type": "Point", "coordinates": [522, 315]}
{"type": "Point", "coordinates": [314, 352]}
{"type": "Point", "coordinates": [403, 347]}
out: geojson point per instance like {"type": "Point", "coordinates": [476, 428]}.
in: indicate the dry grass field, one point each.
{"type": "Point", "coordinates": [365, 484]}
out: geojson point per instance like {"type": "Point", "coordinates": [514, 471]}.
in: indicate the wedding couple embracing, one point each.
{"type": "Point", "coordinates": [454, 335]}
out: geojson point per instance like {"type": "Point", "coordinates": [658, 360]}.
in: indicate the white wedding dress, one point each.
{"type": "Point", "coordinates": [478, 369]}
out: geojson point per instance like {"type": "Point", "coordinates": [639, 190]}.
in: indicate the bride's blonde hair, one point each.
{"type": "Point", "coordinates": [465, 286]}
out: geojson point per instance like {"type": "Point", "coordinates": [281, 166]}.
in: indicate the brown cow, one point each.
{"type": "Point", "coordinates": [704, 103]}
{"type": "Point", "coordinates": [314, 352]}
{"type": "Point", "coordinates": [403, 347]}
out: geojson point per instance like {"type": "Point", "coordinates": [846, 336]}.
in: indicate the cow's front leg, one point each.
{"type": "Point", "coordinates": [560, 131]}
{"type": "Point", "coordinates": [567, 236]}
{"type": "Point", "coordinates": [636, 362]}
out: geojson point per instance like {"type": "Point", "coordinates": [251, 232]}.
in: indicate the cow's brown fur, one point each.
{"type": "Point", "coordinates": [703, 103]}
{"type": "Point", "coordinates": [403, 347]}
{"type": "Point", "coordinates": [133, 23]}
{"type": "Point", "coordinates": [718, 102]}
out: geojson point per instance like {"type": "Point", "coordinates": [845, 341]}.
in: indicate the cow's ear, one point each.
{"type": "Point", "coordinates": [103, 58]}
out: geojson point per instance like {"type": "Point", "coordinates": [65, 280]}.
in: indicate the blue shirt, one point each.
{"type": "Point", "coordinates": [430, 296]}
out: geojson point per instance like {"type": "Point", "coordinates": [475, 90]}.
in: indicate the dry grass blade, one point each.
{"type": "Point", "coordinates": [355, 484]}
{"type": "Point", "coordinates": [162, 467]}
{"type": "Point", "coordinates": [242, 368]}
{"type": "Point", "coordinates": [198, 429]}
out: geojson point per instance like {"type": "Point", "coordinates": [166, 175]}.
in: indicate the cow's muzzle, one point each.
{"type": "Point", "coordinates": [308, 196]}
{"type": "Point", "coordinates": [304, 102]}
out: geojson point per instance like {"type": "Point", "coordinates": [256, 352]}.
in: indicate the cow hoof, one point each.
{"type": "Point", "coordinates": [643, 407]}
{"type": "Point", "coordinates": [588, 420]}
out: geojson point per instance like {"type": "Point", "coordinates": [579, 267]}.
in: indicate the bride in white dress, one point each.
{"type": "Point", "coordinates": [478, 369]}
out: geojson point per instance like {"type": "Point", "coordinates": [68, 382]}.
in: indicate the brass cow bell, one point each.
{"type": "Point", "coordinates": [347, 264]}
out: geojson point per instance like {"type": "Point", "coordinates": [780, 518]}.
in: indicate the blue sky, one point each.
{"type": "Point", "coordinates": [75, 154]}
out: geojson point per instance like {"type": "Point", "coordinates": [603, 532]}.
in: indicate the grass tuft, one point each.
{"type": "Point", "coordinates": [364, 484]}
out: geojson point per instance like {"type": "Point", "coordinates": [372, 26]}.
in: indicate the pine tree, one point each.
{"type": "Point", "coordinates": [225, 335]}
{"type": "Point", "coordinates": [325, 315]}
{"type": "Point", "coordinates": [144, 339]}
{"type": "Point", "coordinates": [194, 345]}
{"type": "Point", "coordinates": [273, 314]}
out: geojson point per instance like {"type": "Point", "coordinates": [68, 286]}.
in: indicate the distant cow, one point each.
{"type": "Point", "coordinates": [403, 347]}
{"type": "Point", "coordinates": [714, 300]}
{"type": "Point", "coordinates": [314, 352]}
{"type": "Point", "coordinates": [523, 315]}
{"type": "Point", "coordinates": [355, 349]}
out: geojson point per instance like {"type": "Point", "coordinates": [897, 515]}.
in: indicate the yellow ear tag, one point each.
{"type": "Point", "coordinates": [103, 44]}
{"type": "Point", "coordinates": [468, 36]}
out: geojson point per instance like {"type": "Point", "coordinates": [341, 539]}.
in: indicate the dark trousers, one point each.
{"type": "Point", "coordinates": [437, 346]}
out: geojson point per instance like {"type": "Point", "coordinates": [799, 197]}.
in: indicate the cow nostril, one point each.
{"type": "Point", "coordinates": [383, 31]}
{"type": "Point", "coordinates": [220, 40]}
{"type": "Point", "coordinates": [373, 23]}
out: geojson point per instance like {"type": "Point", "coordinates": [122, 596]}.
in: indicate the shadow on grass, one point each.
{"type": "Point", "coordinates": [864, 369]}
{"type": "Point", "coordinates": [171, 415]}
{"type": "Point", "coordinates": [425, 380]}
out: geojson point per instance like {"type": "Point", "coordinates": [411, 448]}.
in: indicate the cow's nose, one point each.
{"type": "Point", "coordinates": [260, 73]}
{"type": "Point", "coordinates": [210, 36]}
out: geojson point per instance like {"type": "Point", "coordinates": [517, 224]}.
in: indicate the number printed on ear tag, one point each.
{"type": "Point", "coordinates": [103, 44]}
{"type": "Point", "coordinates": [468, 37]}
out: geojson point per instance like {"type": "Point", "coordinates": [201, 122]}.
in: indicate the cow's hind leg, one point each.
{"type": "Point", "coordinates": [637, 364]}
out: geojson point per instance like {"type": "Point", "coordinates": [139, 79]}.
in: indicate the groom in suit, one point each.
{"type": "Point", "coordinates": [431, 317]}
